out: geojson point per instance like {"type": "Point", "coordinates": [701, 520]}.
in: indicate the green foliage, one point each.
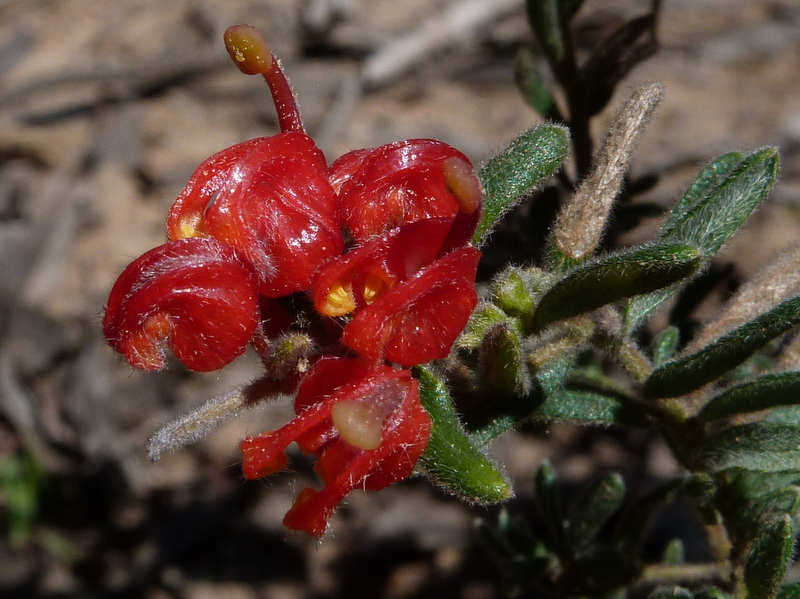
{"type": "Point", "coordinates": [768, 558]}
{"type": "Point", "coordinates": [517, 170]}
{"type": "Point", "coordinates": [612, 278]}
{"type": "Point", "coordinates": [539, 346]}
{"type": "Point", "coordinates": [765, 392]}
{"type": "Point", "coordinates": [452, 458]}
{"type": "Point", "coordinates": [687, 373]}
{"type": "Point", "coordinates": [21, 484]}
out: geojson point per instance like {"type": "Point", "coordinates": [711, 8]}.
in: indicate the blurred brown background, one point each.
{"type": "Point", "coordinates": [107, 106]}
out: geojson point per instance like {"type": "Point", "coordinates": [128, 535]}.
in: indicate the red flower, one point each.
{"type": "Point", "coordinates": [409, 303]}
{"type": "Point", "coordinates": [263, 220]}
{"type": "Point", "coordinates": [194, 294]}
{"type": "Point", "coordinates": [364, 424]}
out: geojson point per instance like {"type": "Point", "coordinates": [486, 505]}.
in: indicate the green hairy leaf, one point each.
{"type": "Point", "coordinates": [593, 509]}
{"type": "Point", "coordinates": [769, 558]}
{"type": "Point", "coordinates": [616, 277]}
{"type": "Point", "coordinates": [503, 368]}
{"type": "Point", "coordinates": [451, 458]}
{"type": "Point", "coordinates": [687, 373]}
{"type": "Point", "coordinates": [716, 205]}
{"type": "Point", "coordinates": [517, 170]}
{"type": "Point", "coordinates": [533, 87]}
{"type": "Point", "coordinates": [722, 198]}
{"type": "Point", "coordinates": [756, 446]}
{"type": "Point", "coordinates": [765, 392]}
{"type": "Point", "coordinates": [664, 345]}
{"type": "Point", "coordinates": [587, 407]}
{"type": "Point", "coordinates": [545, 17]}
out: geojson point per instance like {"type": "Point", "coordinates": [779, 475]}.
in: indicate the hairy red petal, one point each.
{"type": "Point", "coordinates": [418, 320]}
{"type": "Point", "coordinates": [391, 399]}
{"type": "Point", "coordinates": [398, 183]}
{"type": "Point", "coordinates": [356, 279]}
{"type": "Point", "coordinates": [271, 200]}
{"type": "Point", "coordinates": [406, 431]}
{"type": "Point", "coordinates": [195, 295]}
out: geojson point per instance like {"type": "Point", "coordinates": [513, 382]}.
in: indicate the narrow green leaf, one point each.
{"type": "Point", "coordinates": [517, 170]}
{"type": "Point", "coordinates": [451, 458]}
{"type": "Point", "coordinates": [503, 368]}
{"type": "Point", "coordinates": [702, 188]}
{"type": "Point", "coordinates": [545, 19]}
{"type": "Point", "coordinates": [765, 392]}
{"type": "Point", "coordinates": [548, 504]}
{"type": "Point", "coordinates": [615, 277]}
{"type": "Point", "coordinates": [721, 200]}
{"type": "Point", "coordinates": [518, 290]}
{"type": "Point", "coordinates": [588, 407]}
{"type": "Point", "coordinates": [714, 207]}
{"type": "Point", "coordinates": [778, 503]}
{"type": "Point", "coordinates": [533, 88]}
{"type": "Point", "coordinates": [756, 446]}
{"type": "Point", "coordinates": [769, 558]}
{"type": "Point", "coordinates": [750, 485]}
{"type": "Point", "coordinates": [635, 520]}
{"type": "Point", "coordinates": [664, 345]}
{"type": "Point", "coordinates": [789, 591]}
{"type": "Point", "coordinates": [687, 373]}
{"type": "Point", "coordinates": [592, 510]}
{"type": "Point", "coordinates": [485, 316]}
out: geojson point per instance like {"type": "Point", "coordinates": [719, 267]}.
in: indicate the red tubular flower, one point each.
{"type": "Point", "coordinates": [195, 295]}
{"type": "Point", "coordinates": [270, 199]}
{"type": "Point", "coordinates": [419, 320]}
{"type": "Point", "coordinates": [403, 182]}
{"type": "Point", "coordinates": [409, 304]}
{"type": "Point", "coordinates": [365, 425]}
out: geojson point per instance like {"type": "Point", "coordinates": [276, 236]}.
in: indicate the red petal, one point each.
{"type": "Point", "coordinates": [406, 435]}
{"type": "Point", "coordinates": [263, 455]}
{"type": "Point", "coordinates": [273, 202]}
{"type": "Point", "coordinates": [395, 184]}
{"type": "Point", "coordinates": [418, 320]}
{"type": "Point", "coordinates": [377, 266]}
{"type": "Point", "coordinates": [194, 294]}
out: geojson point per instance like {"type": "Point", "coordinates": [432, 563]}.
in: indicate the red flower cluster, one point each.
{"type": "Point", "coordinates": [379, 241]}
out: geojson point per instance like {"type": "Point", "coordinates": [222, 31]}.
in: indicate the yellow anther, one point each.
{"type": "Point", "coordinates": [339, 300]}
{"type": "Point", "coordinates": [374, 287]}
